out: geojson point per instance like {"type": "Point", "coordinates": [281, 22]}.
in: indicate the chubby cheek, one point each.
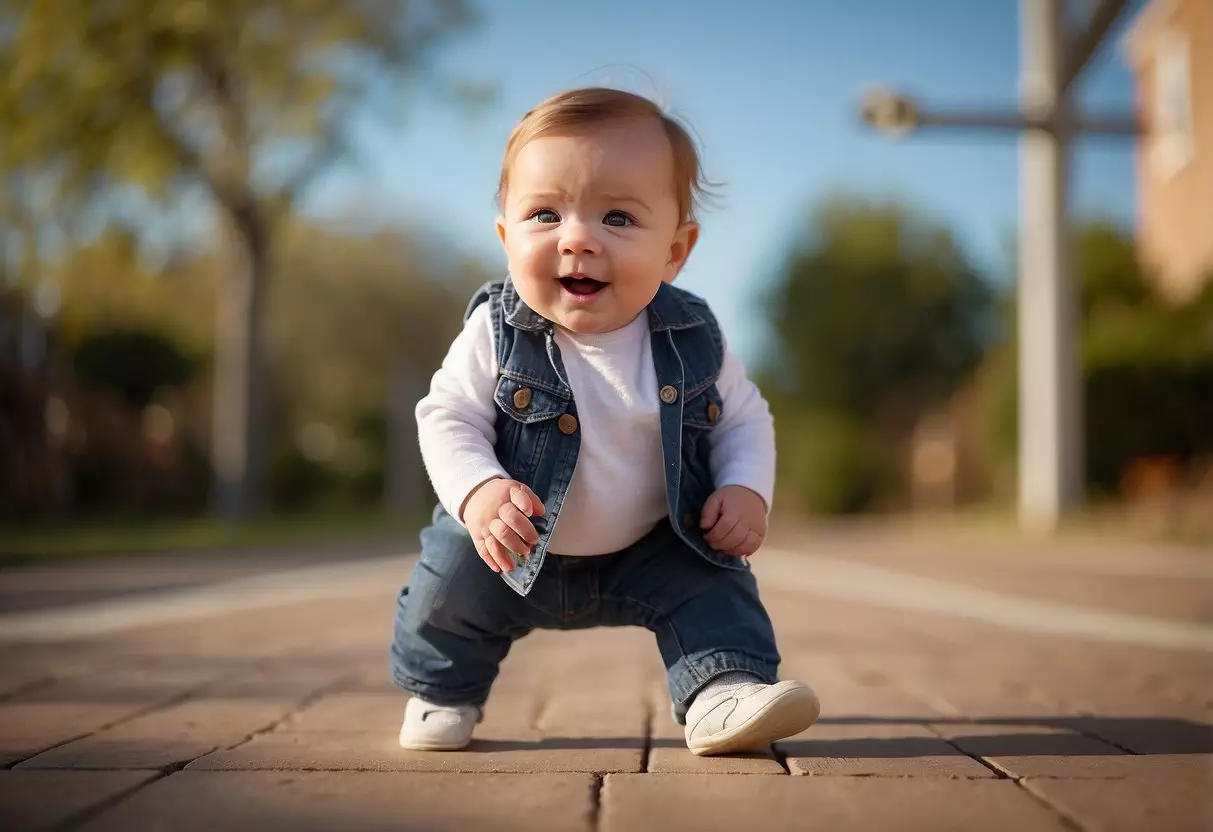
{"type": "Point", "coordinates": [530, 253]}
{"type": "Point", "coordinates": [640, 263]}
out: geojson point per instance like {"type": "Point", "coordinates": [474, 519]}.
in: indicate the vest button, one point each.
{"type": "Point", "coordinates": [567, 424]}
{"type": "Point", "coordinates": [522, 398]}
{"type": "Point", "coordinates": [669, 394]}
{"type": "Point", "coordinates": [713, 411]}
{"type": "Point", "coordinates": [688, 520]}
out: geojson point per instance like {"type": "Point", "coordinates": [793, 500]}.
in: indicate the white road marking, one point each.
{"type": "Point", "coordinates": [890, 588]}
{"type": "Point", "coordinates": [785, 570]}
{"type": "Point", "coordinates": [354, 579]}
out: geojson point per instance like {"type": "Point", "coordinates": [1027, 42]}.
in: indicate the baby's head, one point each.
{"type": "Point", "coordinates": [597, 193]}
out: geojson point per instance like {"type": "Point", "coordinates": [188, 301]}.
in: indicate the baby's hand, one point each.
{"type": "Point", "coordinates": [496, 517]}
{"type": "Point", "coordinates": [735, 520]}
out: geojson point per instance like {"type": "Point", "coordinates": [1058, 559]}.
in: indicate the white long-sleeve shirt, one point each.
{"type": "Point", "coordinates": [617, 493]}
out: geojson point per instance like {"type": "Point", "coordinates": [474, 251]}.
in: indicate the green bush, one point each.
{"type": "Point", "coordinates": [825, 463]}
{"type": "Point", "coordinates": [876, 318]}
{"type": "Point", "coordinates": [1131, 410]}
{"type": "Point", "coordinates": [133, 362]}
{"type": "Point", "coordinates": [1145, 410]}
{"type": "Point", "coordinates": [298, 483]}
{"type": "Point", "coordinates": [1147, 372]}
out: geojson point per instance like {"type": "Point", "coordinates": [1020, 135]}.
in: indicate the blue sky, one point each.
{"type": "Point", "coordinates": [772, 90]}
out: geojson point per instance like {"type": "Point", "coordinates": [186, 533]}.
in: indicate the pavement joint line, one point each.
{"type": "Point", "coordinates": [302, 704]}
{"type": "Point", "coordinates": [1091, 735]}
{"type": "Point", "coordinates": [159, 705]}
{"type": "Point", "coordinates": [596, 787]}
{"type": "Point", "coordinates": [1067, 819]}
{"type": "Point", "coordinates": [88, 813]}
{"type": "Point", "coordinates": [781, 757]}
{"type": "Point", "coordinates": [999, 772]}
{"type": "Point", "coordinates": [650, 727]}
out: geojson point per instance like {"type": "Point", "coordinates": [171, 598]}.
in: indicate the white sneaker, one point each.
{"type": "Point", "coordinates": [430, 727]}
{"type": "Point", "coordinates": [750, 716]}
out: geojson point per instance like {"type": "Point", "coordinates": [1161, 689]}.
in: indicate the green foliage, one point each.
{"type": "Point", "coordinates": [134, 363]}
{"type": "Point", "coordinates": [302, 484]}
{"type": "Point", "coordinates": [878, 309]}
{"type": "Point", "coordinates": [105, 284]}
{"type": "Point", "coordinates": [825, 463]}
{"type": "Point", "coordinates": [1105, 260]}
{"type": "Point", "coordinates": [156, 95]}
{"type": "Point", "coordinates": [1147, 367]}
{"type": "Point", "coordinates": [350, 313]}
{"type": "Point", "coordinates": [351, 310]}
{"type": "Point", "coordinates": [117, 111]}
{"type": "Point", "coordinates": [297, 482]}
{"type": "Point", "coordinates": [878, 317]}
{"type": "Point", "coordinates": [1147, 409]}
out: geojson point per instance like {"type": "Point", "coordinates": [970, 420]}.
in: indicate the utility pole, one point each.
{"type": "Point", "coordinates": [1050, 375]}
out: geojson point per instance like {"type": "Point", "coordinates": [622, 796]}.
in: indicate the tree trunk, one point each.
{"type": "Point", "coordinates": [238, 453]}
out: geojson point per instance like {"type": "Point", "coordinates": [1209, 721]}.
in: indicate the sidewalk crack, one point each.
{"type": "Point", "coordinates": [301, 705]}
{"type": "Point", "coordinates": [596, 789]}
{"type": "Point", "coordinates": [650, 715]}
{"type": "Point", "coordinates": [781, 757]}
{"type": "Point", "coordinates": [159, 705]}
{"type": "Point", "coordinates": [1067, 819]}
{"type": "Point", "coordinates": [89, 813]}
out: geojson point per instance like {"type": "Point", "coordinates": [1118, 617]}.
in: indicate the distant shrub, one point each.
{"type": "Point", "coordinates": [135, 363]}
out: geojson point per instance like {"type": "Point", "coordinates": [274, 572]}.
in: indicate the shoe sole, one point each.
{"type": "Point", "coordinates": [432, 746]}
{"type": "Point", "coordinates": [789, 713]}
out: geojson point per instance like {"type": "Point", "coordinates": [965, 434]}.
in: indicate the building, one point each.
{"type": "Point", "coordinates": [1169, 48]}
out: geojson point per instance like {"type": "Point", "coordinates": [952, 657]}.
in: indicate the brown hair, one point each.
{"type": "Point", "coordinates": [593, 105]}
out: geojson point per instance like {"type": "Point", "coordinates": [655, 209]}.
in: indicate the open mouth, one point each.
{"type": "Point", "coordinates": [584, 286]}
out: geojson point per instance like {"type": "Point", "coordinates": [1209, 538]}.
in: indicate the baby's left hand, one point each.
{"type": "Point", "coordinates": [735, 520]}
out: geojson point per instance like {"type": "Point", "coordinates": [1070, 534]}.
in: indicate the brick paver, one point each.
{"type": "Point", "coordinates": [281, 717]}
{"type": "Point", "coordinates": [46, 799]}
{"type": "Point", "coordinates": [708, 801]}
{"type": "Point", "coordinates": [302, 801]}
{"type": "Point", "coordinates": [881, 749]}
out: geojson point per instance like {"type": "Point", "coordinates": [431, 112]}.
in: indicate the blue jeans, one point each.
{"type": "Point", "coordinates": [457, 619]}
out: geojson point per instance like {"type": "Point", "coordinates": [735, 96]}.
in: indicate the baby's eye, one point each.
{"type": "Point", "coordinates": [545, 216]}
{"type": "Point", "coordinates": [618, 219]}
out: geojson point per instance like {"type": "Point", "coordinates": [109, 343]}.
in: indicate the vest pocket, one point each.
{"type": "Point", "coordinates": [527, 416]}
{"type": "Point", "coordinates": [704, 410]}
{"type": "Point", "coordinates": [700, 415]}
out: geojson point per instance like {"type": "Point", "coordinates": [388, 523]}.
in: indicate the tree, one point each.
{"type": "Point", "coordinates": [379, 310]}
{"type": "Point", "coordinates": [876, 309]}
{"type": "Point", "coordinates": [134, 107]}
{"type": "Point", "coordinates": [876, 318]}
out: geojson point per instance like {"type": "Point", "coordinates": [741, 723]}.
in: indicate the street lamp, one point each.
{"type": "Point", "coordinates": [896, 114]}
{"type": "Point", "coordinates": [889, 112]}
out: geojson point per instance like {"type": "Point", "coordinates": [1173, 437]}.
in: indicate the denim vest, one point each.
{"type": "Point", "coordinates": [538, 434]}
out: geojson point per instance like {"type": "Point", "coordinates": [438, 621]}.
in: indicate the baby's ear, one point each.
{"type": "Point", "coordinates": [680, 249]}
{"type": "Point", "coordinates": [501, 229]}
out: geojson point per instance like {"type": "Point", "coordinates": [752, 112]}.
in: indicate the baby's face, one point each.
{"type": "Point", "coordinates": [591, 224]}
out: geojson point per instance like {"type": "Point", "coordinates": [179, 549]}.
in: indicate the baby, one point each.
{"type": "Point", "coordinates": [599, 456]}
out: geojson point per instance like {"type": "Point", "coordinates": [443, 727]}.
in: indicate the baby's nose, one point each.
{"type": "Point", "coordinates": [578, 239]}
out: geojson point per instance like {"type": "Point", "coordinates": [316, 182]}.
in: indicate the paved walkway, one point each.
{"type": "Point", "coordinates": [966, 684]}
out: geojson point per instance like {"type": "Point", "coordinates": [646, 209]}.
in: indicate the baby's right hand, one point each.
{"type": "Point", "coordinates": [496, 517]}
